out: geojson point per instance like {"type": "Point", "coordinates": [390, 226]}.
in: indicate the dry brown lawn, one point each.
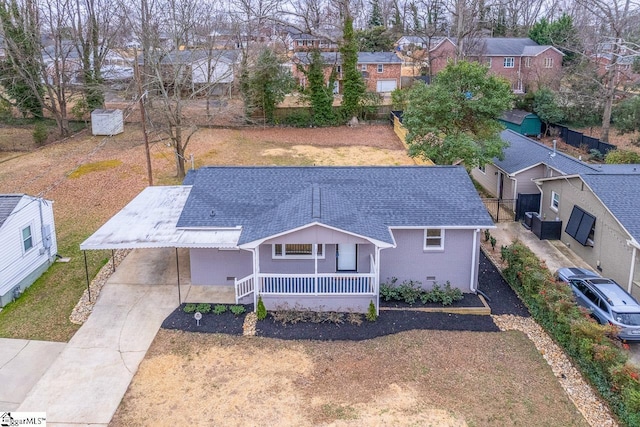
{"type": "Point", "coordinates": [416, 378]}
{"type": "Point", "coordinates": [90, 178]}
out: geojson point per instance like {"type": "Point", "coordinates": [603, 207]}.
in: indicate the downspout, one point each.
{"type": "Point", "coordinates": [474, 251]}
{"type": "Point", "coordinates": [633, 268]}
{"type": "Point", "coordinates": [377, 280]}
{"type": "Point", "coordinates": [42, 237]}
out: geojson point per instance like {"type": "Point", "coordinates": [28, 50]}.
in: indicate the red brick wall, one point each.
{"type": "Point", "coordinates": [389, 72]}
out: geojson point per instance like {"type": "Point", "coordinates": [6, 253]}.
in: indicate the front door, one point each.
{"type": "Point", "coordinates": [346, 257]}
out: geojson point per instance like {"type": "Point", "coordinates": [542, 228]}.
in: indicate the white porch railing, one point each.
{"type": "Point", "coordinates": [244, 287]}
{"type": "Point", "coordinates": [320, 284]}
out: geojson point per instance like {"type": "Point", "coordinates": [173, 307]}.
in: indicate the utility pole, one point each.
{"type": "Point", "coordinates": [143, 115]}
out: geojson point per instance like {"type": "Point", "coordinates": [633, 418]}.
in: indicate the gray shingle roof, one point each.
{"type": "Point", "coordinates": [506, 46]}
{"type": "Point", "coordinates": [362, 200]}
{"type": "Point", "coordinates": [515, 116]}
{"type": "Point", "coordinates": [8, 203]}
{"type": "Point", "coordinates": [363, 57]}
{"type": "Point", "coordinates": [621, 195]}
{"type": "Point", "coordinates": [524, 153]}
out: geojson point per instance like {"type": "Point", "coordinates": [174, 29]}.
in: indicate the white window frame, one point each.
{"type": "Point", "coordinates": [23, 240]}
{"type": "Point", "coordinates": [548, 62]}
{"type": "Point", "coordinates": [555, 201]}
{"type": "Point", "coordinates": [509, 62]}
{"type": "Point", "coordinates": [440, 247]}
{"type": "Point", "coordinates": [380, 68]}
{"type": "Point", "coordinates": [527, 62]}
{"type": "Point", "coordinates": [283, 254]}
{"type": "Point", "coordinates": [363, 67]}
{"type": "Point", "coordinates": [489, 62]}
{"type": "Point", "coordinates": [483, 169]}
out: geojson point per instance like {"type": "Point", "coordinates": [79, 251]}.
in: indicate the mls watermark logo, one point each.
{"type": "Point", "coordinates": [8, 419]}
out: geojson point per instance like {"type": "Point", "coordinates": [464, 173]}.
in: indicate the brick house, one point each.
{"type": "Point", "coordinates": [298, 41]}
{"type": "Point", "coordinates": [625, 73]}
{"type": "Point", "coordinates": [381, 70]}
{"type": "Point", "coordinates": [526, 64]}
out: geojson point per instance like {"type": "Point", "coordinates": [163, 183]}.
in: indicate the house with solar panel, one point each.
{"type": "Point", "coordinates": [600, 211]}
{"type": "Point", "coordinates": [27, 242]}
{"type": "Point", "coordinates": [322, 238]}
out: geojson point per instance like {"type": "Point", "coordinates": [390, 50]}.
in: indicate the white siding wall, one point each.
{"type": "Point", "coordinates": [16, 265]}
{"type": "Point", "coordinates": [221, 73]}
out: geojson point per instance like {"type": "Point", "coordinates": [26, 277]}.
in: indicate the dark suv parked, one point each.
{"type": "Point", "coordinates": [609, 303]}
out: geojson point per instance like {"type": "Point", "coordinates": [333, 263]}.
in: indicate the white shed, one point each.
{"type": "Point", "coordinates": [107, 122]}
{"type": "Point", "coordinates": [28, 242]}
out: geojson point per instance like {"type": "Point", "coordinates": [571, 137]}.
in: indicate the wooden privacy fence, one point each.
{"type": "Point", "coordinates": [580, 140]}
{"type": "Point", "coordinates": [395, 117]}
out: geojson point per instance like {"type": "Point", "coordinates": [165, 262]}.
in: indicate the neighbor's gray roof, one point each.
{"type": "Point", "coordinates": [8, 203]}
{"type": "Point", "coordinates": [621, 195]}
{"type": "Point", "coordinates": [494, 46]}
{"type": "Point", "coordinates": [516, 116]}
{"type": "Point", "coordinates": [364, 201]}
{"type": "Point", "coordinates": [620, 169]}
{"type": "Point", "coordinates": [363, 57]}
{"type": "Point", "coordinates": [523, 153]}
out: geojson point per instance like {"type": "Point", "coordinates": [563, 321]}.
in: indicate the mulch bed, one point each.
{"type": "Point", "coordinates": [503, 300]}
{"type": "Point", "coordinates": [468, 300]}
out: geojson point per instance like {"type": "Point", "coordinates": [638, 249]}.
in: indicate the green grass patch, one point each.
{"type": "Point", "coordinates": [94, 167]}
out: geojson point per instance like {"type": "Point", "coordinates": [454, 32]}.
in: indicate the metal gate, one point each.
{"type": "Point", "coordinates": [501, 210]}
{"type": "Point", "coordinates": [527, 203]}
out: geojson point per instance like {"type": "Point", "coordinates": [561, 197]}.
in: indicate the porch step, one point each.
{"type": "Point", "coordinates": [483, 311]}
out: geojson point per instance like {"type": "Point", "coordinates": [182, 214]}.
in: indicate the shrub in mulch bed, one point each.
{"type": "Point", "coordinates": [389, 322]}
{"type": "Point", "coordinates": [224, 323]}
{"type": "Point", "coordinates": [468, 300]}
{"type": "Point", "coordinates": [592, 346]}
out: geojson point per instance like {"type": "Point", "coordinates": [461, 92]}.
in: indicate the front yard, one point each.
{"type": "Point", "coordinates": [91, 178]}
{"type": "Point", "coordinates": [406, 379]}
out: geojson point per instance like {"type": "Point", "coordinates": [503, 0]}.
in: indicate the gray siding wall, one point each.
{"type": "Point", "coordinates": [316, 234]}
{"type": "Point", "coordinates": [488, 179]}
{"type": "Point", "coordinates": [19, 269]}
{"type": "Point", "coordinates": [213, 266]}
{"type": "Point", "coordinates": [356, 304]}
{"type": "Point", "coordinates": [409, 261]}
{"type": "Point", "coordinates": [525, 185]}
{"type": "Point", "coordinates": [610, 249]}
{"type": "Point", "coordinates": [306, 266]}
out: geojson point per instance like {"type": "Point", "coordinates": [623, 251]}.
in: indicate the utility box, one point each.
{"type": "Point", "coordinates": [107, 122]}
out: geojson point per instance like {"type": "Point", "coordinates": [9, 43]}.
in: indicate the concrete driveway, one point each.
{"type": "Point", "coordinates": [553, 252]}
{"type": "Point", "coordinates": [22, 363]}
{"type": "Point", "coordinates": [85, 384]}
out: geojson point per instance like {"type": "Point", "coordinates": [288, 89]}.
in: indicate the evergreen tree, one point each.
{"type": "Point", "coordinates": [19, 73]}
{"type": "Point", "coordinates": [320, 94]}
{"type": "Point", "coordinates": [354, 87]}
{"type": "Point", "coordinates": [376, 15]}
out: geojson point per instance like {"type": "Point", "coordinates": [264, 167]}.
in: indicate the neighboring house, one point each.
{"type": "Point", "coordinates": [27, 242]}
{"type": "Point", "coordinates": [319, 237]}
{"type": "Point", "coordinates": [599, 213]}
{"type": "Point", "coordinates": [525, 63]}
{"type": "Point", "coordinates": [626, 73]}
{"type": "Point", "coordinates": [523, 122]}
{"type": "Point", "coordinates": [381, 70]}
{"type": "Point", "coordinates": [525, 160]}
{"type": "Point", "coordinates": [298, 41]}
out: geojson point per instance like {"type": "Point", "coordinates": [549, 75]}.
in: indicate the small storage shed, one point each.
{"type": "Point", "coordinates": [107, 122]}
{"type": "Point", "coordinates": [523, 122]}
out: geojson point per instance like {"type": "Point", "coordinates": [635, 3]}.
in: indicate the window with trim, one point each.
{"type": "Point", "coordinates": [433, 239]}
{"type": "Point", "coordinates": [555, 201]}
{"type": "Point", "coordinates": [380, 68]}
{"type": "Point", "coordinates": [27, 238]}
{"type": "Point", "coordinates": [527, 62]}
{"type": "Point", "coordinates": [489, 62]}
{"type": "Point", "coordinates": [297, 250]}
{"type": "Point", "coordinates": [548, 62]}
{"type": "Point", "coordinates": [363, 67]}
{"type": "Point", "coordinates": [581, 226]}
{"type": "Point", "coordinates": [509, 62]}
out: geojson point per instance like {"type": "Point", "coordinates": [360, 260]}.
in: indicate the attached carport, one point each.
{"type": "Point", "coordinates": [149, 221]}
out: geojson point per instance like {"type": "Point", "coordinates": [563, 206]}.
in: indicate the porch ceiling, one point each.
{"type": "Point", "coordinates": [149, 221]}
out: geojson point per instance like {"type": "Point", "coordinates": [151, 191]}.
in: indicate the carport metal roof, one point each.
{"type": "Point", "coordinates": [149, 221]}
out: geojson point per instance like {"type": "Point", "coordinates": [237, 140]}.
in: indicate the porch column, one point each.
{"type": "Point", "coordinates": [633, 268]}
{"type": "Point", "coordinates": [315, 268]}
{"type": "Point", "coordinates": [256, 278]}
{"type": "Point", "coordinates": [377, 280]}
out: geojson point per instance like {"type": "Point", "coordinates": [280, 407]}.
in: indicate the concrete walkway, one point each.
{"type": "Point", "coordinates": [22, 363]}
{"type": "Point", "coordinates": [86, 383]}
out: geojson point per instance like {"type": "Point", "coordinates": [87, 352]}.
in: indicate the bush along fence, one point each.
{"type": "Point", "coordinates": [580, 140]}
{"type": "Point", "coordinates": [593, 347]}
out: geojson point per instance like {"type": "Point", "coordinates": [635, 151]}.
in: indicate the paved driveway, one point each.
{"type": "Point", "coordinates": [22, 363]}
{"type": "Point", "coordinates": [87, 381]}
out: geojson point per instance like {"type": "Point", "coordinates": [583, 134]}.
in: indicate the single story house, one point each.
{"type": "Point", "coordinates": [382, 71]}
{"type": "Point", "coordinates": [318, 237]}
{"type": "Point", "coordinates": [27, 242]}
{"type": "Point", "coordinates": [523, 122]}
{"type": "Point", "coordinates": [525, 160]}
{"type": "Point", "coordinates": [599, 213]}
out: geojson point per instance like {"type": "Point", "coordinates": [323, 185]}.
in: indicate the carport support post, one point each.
{"type": "Point", "coordinates": [86, 272]}
{"type": "Point", "coordinates": [178, 276]}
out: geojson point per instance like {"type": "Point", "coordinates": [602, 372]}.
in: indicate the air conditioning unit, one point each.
{"type": "Point", "coordinates": [528, 218]}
